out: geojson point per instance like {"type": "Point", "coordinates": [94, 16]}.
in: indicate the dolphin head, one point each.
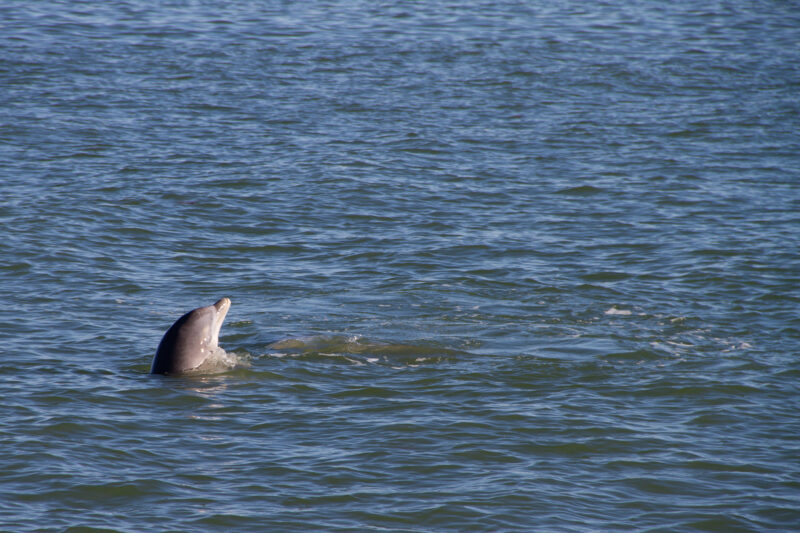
{"type": "Point", "coordinates": [191, 339]}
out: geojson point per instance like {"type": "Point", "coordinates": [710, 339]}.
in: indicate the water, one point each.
{"type": "Point", "coordinates": [495, 266]}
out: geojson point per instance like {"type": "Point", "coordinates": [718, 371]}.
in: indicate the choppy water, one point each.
{"type": "Point", "coordinates": [495, 266]}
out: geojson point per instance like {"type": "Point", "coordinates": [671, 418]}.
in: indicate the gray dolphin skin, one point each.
{"type": "Point", "coordinates": [191, 339]}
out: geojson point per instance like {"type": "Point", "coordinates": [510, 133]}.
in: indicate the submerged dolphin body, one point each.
{"type": "Point", "coordinates": [191, 339]}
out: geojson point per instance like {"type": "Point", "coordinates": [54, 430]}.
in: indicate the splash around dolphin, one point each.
{"type": "Point", "coordinates": [191, 340]}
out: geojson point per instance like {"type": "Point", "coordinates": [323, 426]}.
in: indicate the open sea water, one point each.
{"type": "Point", "coordinates": [494, 265]}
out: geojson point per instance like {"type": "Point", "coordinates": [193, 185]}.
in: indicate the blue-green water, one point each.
{"type": "Point", "coordinates": [495, 266]}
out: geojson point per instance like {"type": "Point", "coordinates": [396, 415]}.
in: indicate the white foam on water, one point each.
{"type": "Point", "coordinates": [221, 361]}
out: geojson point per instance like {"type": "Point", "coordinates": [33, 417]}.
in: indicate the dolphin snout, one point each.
{"type": "Point", "coordinates": [222, 304]}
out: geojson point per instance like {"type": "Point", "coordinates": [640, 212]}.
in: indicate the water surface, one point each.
{"type": "Point", "coordinates": [500, 266]}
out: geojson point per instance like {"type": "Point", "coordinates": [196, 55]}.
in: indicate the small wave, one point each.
{"type": "Point", "coordinates": [581, 190]}
{"type": "Point", "coordinates": [358, 350]}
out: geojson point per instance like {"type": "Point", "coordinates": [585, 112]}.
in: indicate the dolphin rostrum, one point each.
{"type": "Point", "coordinates": [191, 339]}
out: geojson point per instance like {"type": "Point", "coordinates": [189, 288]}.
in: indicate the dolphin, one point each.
{"type": "Point", "coordinates": [191, 339]}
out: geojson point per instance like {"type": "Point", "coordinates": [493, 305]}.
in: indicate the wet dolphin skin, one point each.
{"type": "Point", "coordinates": [191, 339]}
